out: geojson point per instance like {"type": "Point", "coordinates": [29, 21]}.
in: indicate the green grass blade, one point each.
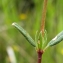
{"type": "Point", "coordinates": [25, 34]}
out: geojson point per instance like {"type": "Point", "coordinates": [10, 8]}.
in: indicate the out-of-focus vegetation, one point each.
{"type": "Point", "coordinates": [28, 14]}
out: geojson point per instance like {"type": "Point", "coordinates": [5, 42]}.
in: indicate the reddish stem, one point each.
{"type": "Point", "coordinates": [43, 16]}
{"type": "Point", "coordinates": [40, 52]}
{"type": "Point", "coordinates": [39, 55]}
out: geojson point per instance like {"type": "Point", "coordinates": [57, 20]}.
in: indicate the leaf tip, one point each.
{"type": "Point", "coordinates": [13, 24]}
{"type": "Point", "coordinates": [54, 38]}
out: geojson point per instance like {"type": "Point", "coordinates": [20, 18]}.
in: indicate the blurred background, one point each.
{"type": "Point", "coordinates": [14, 48]}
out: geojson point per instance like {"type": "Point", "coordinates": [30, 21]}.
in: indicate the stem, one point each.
{"type": "Point", "coordinates": [40, 52]}
{"type": "Point", "coordinates": [43, 16]}
{"type": "Point", "coordinates": [39, 55]}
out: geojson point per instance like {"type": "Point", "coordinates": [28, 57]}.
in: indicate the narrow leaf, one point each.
{"type": "Point", "coordinates": [40, 39]}
{"type": "Point", "coordinates": [56, 40]}
{"type": "Point", "coordinates": [24, 33]}
{"type": "Point", "coordinates": [36, 39]}
{"type": "Point", "coordinates": [44, 39]}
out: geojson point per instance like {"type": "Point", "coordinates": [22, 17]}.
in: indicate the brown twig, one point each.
{"type": "Point", "coordinates": [43, 16]}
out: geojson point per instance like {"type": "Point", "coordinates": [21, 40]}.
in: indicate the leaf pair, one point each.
{"type": "Point", "coordinates": [40, 41]}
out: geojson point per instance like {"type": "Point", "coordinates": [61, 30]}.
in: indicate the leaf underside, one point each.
{"type": "Point", "coordinates": [24, 33]}
{"type": "Point", "coordinates": [56, 40]}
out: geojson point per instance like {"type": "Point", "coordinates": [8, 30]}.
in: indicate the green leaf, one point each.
{"type": "Point", "coordinates": [25, 34]}
{"type": "Point", "coordinates": [56, 40]}
{"type": "Point", "coordinates": [40, 40]}
{"type": "Point", "coordinates": [44, 39]}
{"type": "Point", "coordinates": [36, 39]}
